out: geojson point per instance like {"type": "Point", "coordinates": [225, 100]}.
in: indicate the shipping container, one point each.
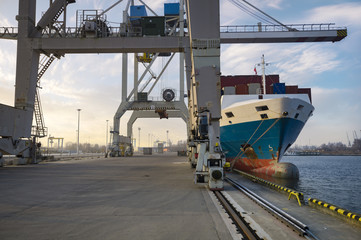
{"type": "Point", "coordinates": [254, 88]}
{"type": "Point", "coordinates": [269, 89]}
{"type": "Point", "coordinates": [279, 88]}
{"type": "Point", "coordinates": [306, 91]}
{"type": "Point", "coordinates": [229, 90]}
{"type": "Point", "coordinates": [241, 89]}
{"type": "Point", "coordinates": [245, 79]}
{"type": "Point", "coordinates": [292, 89]}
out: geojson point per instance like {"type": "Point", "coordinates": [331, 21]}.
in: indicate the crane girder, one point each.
{"type": "Point", "coordinates": [284, 37]}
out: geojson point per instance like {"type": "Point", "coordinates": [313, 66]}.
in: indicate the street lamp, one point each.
{"type": "Point", "coordinates": [106, 139]}
{"type": "Point", "coordinates": [167, 144]}
{"type": "Point", "coordinates": [139, 140]}
{"type": "Point", "coordinates": [77, 148]}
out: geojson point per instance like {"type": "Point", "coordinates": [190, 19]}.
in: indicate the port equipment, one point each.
{"type": "Point", "coordinates": [60, 144]}
{"type": "Point", "coordinates": [199, 50]}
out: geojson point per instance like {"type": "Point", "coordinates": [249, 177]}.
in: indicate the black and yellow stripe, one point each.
{"type": "Point", "coordinates": [272, 185]}
{"type": "Point", "coordinates": [336, 209]}
{"type": "Point", "coordinates": [342, 33]}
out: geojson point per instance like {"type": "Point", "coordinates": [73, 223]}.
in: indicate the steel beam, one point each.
{"type": "Point", "coordinates": [26, 69]}
{"type": "Point", "coordinates": [226, 37]}
{"type": "Point", "coordinates": [110, 45]}
{"type": "Point", "coordinates": [124, 76]}
{"type": "Point", "coordinates": [283, 36]}
{"type": "Point", "coordinates": [152, 114]}
{"type": "Point", "coordinates": [158, 105]}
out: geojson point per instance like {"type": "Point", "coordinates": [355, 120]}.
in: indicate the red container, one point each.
{"type": "Point", "coordinates": [305, 91]}
{"type": "Point", "coordinates": [291, 89]}
{"type": "Point", "coordinates": [241, 89]}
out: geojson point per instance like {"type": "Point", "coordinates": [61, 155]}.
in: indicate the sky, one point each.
{"type": "Point", "coordinates": [92, 82]}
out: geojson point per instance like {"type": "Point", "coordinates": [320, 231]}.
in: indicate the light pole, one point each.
{"type": "Point", "coordinates": [77, 148]}
{"type": "Point", "coordinates": [106, 138]}
{"type": "Point", "coordinates": [139, 140]}
{"type": "Point", "coordinates": [167, 144]}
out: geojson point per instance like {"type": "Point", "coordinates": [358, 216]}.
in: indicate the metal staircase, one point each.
{"type": "Point", "coordinates": [39, 130]}
{"type": "Point", "coordinates": [44, 64]}
{"type": "Point", "coordinates": [50, 22]}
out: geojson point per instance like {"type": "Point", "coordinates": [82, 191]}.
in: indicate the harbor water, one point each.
{"type": "Point", "coordinates": [333, 179]}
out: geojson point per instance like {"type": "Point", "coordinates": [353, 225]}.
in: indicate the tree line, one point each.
{"type": "Point", "coordinates": [332, 148]}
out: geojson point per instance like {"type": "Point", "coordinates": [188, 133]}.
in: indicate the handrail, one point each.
{"type": "Point", "coordinates": [9, 31]}
{"type": "Point", "coordinates": [280, 28]}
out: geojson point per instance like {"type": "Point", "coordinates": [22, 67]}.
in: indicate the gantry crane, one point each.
{"type": "Point", "coordinates": [51, 36]}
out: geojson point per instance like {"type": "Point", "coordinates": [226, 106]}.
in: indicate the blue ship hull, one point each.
{"type": "Point", "coordinates": [259, 144]}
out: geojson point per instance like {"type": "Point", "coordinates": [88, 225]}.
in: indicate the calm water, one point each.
{"type": "Point", "coordinates": [334, 179]}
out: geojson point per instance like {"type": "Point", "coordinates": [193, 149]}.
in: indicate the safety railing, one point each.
{"type": "Point", "coordinates": [279, 28]}
{"type": "Point", "coordinates": [78, 32]}
{"type": "Point", "coordinates": [8, 32]}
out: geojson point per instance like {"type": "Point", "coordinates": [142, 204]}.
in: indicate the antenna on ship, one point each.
{"type": "Point", "coordinates": [263, 64]}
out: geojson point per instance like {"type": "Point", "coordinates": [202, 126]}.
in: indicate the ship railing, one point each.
{"type": "Point", "coordinates": [280, 28]}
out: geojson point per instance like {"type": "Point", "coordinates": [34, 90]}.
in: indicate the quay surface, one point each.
{"type": "Point", "coordinates": [139, 197]}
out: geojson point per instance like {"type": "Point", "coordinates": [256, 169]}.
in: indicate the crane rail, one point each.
{"type": "Point", "coordinates": [242, 226]}
{"type": "Point", "coordinates": [296, 225]}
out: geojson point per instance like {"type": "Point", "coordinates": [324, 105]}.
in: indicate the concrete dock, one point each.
{"type": "Point", "coordinates": [140, 197]}
{"type": "Point", "coordinates": [323, 225]}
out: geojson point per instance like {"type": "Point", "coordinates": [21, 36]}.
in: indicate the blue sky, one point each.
{"type": "Point", "coordinates": [93, 82]}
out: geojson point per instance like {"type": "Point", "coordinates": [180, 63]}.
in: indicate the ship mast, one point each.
{"type": "Point", "coordinates": [263, 64]}
{"type": "Point", "coordinates": [263, 75]}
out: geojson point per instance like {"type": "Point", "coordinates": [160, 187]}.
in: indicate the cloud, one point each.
{"type": "Point", "coordinates": [306, 61]}
{"type": "Point", "coordinates": [276, 4]}
{"type": "Point", "coordinates": [231, 14]}
{"type": "Point", "coordinates": [344, 13]}
{"type": "Point", "coordinates": [333, 115]}
{"type": "Point", "coordinates": [294, 62]}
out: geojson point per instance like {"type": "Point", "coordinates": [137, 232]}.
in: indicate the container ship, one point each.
{"type": "Point", "coordinates": [261, 119]}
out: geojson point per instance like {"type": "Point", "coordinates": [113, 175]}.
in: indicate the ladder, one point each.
{"type": "Point", "coordinates": [39, 130]}
{"type": "Point", "coordinates": [44, 64]}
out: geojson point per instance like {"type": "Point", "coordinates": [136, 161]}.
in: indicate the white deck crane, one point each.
{"type": "Point", "coordinates": [202, 49]}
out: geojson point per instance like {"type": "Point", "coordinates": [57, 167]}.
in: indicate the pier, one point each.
{"type": "Point", "coordinates": [141, 197]}
{"type": "Point", "coordinates": [157, 196]}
